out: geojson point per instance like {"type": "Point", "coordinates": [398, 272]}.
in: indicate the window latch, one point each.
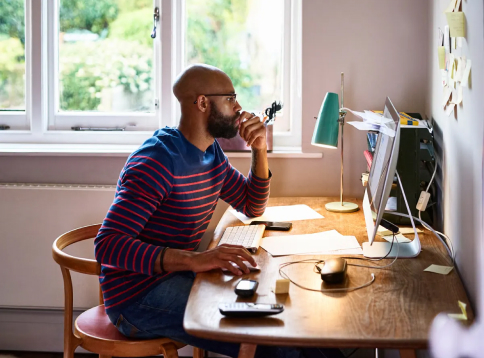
{"type": "Point", "coordinates": [4, 127]}
{"type": "Point", "coordinates": [102, 129]}
{"type": "Point", "coordinates": [156, 17]}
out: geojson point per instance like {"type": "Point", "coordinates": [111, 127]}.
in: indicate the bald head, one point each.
{"type": "Point", "coordinates": [200, 79]}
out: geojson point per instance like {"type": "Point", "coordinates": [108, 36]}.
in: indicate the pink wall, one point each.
{"type": "Point", "coordinates": [381, 46]}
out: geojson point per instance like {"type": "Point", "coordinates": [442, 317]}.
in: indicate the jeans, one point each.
{"type": "Point", "coordinates": [160, 314]}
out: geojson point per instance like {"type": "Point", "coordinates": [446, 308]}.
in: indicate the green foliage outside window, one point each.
{"type": "Point", "coordinates": [88, 68]}
{"type": "Point", "coordinates": [213, 28]}
{"type": "Point", "coordinates": [122, 55]}
{"type": "Point", "coordinates": [92, 15]}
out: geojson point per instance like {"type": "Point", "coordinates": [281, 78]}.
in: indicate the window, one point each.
{"type": "Point", "coordinates": [13, 69]}
{"type": "Point", "coordinates": [104, 69]}
{"type": "Point", "coordinates": [255, 43]}
{"type": "Point", "coordinates": [93, 64]}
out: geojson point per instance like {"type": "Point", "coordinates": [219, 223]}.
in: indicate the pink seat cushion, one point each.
{"type": "Point", "coordinates": [95, 323]}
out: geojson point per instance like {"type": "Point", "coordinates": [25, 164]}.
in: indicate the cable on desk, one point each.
{"type": "Point", "coordinates": [448, 243]}
{"type": "Point", "coordinates": [424, 224]}
{"type": "Point", "coordinates": [343, 289]}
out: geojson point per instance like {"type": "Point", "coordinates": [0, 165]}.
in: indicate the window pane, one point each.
{"type": "Point", "coordinates": [106, 56]}
{"type": "Point", "coordinates": [12, 55]}
{"type": "Point", "coordinates": [244, 38]}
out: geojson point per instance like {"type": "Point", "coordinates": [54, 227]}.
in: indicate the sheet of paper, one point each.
{"type": "Point", "coordinates": [447, 39]}
{"type": "Point", "coordinates": [465, 75]}
{"type": "Point", "coordinates": [450, 63]}
{"type": "Point", "coordinates": [451, 6]}
{"type": "Point", "coordinates": [450, 109]}
{"type": "Point", "coordinates": [398, 238]}
{"type": "Point", "coordinates": [457, 23]}
{"type": "Point", "coordinates": [447, 93]}
{"type": "Point", "coordinates": [459, 42]}
{"type": "Point", "coordinates": [388, 131]}
{"type": "Point", "coordinates": [370, 117]}
{"type": "Point", "coordinates": [441, 51]}
{"type": "Point", "coordinates": [458, 70]}
{"type": "Point", "coordinates": [310, 243]}
{"type": "Point", "coordinates": [281, 213]}
{"type": "Point", "coordinates": [342, 252]}
{"type": "Point", "coordinates": [443, 74]}
{"type": "Point", "coordinates": [459, 93]}
{"type": "Point", "coordinates": [454, 96]}
{"type": "Point", "coordinates": [460, 316]}
{"type": "Point", "coordinates": [453, 42]}
{"type": "Point", "coordinates": [364, 126]}
{"type": "Point", "coordinates": [442, 270]}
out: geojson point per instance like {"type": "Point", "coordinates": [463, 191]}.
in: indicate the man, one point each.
{"type": "Point", "coordinates": [165, 198]}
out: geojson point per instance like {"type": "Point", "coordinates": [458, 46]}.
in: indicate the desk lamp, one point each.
{"type": "Point", "coordinates": [326, 135]}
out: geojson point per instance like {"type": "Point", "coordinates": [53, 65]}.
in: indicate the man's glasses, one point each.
{"type": "Point", "coordinates": [231, 97]}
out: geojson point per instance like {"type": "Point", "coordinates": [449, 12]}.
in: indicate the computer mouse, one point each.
{"type": "Point", "coordinates": [334, 270]}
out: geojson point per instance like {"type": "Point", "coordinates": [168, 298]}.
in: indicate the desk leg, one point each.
{"type": "Point", "coordinates": [247, 350]}
{"type": "Point", "coordinates": [407, 353]}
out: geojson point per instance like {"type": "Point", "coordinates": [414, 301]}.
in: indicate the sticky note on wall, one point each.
{"type": "Point", "coordinates": [442, 57]}
{"type": "Point", "coordinates": [457, 23]}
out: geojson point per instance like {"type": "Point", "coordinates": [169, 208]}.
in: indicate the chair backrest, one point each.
{"type": "Point", "coordinates": [82, 265]}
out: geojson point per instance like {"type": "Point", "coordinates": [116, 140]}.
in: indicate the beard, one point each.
{"type": "Point", "coordinates": [221, 126]}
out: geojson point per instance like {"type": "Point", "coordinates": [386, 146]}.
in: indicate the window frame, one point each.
{"type": "Point", "coordinates": [38, 125]}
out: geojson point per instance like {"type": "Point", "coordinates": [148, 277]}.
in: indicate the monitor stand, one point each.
{"type": "Point", "coordinates": [403, 250]}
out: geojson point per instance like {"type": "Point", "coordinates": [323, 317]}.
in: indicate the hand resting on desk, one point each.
{"type": "Point", "coordinates": [220, 257]}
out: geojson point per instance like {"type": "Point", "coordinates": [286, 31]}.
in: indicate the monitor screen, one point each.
{"type": "Point", "coordinates": [382, 171]}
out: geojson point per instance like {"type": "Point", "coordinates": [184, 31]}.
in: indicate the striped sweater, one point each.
{"type": "Point", "coordinates": [165, 196]}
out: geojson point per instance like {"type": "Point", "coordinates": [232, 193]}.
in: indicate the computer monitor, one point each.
{"type": "Point", "coordinates": [380, 181]}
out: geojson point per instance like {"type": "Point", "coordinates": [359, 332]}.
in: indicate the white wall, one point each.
{"type": "Point", "coordinates": [461, 142]}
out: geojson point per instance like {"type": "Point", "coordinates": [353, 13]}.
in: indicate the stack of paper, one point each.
{"type": "Point", "coordinates": [324, 243]}
{"type": "Point", "coordinates": [282, 213]}
{"type": "Point", "coordinates": [372, 122]}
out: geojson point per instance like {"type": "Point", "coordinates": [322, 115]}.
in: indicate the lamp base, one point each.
{"type": "Point", "coordinates": [338, 208]}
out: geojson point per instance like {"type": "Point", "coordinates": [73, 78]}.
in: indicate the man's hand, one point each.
{"type": "Point", "coordinates": [252, 130]}
{"type": "Point", "coordinates": [221, 257]}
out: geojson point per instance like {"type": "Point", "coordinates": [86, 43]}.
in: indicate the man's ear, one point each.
{"type": "Point", "coordinates": [202, 104]}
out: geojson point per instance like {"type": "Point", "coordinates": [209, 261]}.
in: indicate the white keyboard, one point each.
{"type": "Point", "coordinates": [248, 236]}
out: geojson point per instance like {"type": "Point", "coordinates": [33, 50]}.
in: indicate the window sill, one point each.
{"type": "Point", "coordinates": [111, 150]}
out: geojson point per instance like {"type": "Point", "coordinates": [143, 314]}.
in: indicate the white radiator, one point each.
{"type": "Point", "coordinates": [32, 216]}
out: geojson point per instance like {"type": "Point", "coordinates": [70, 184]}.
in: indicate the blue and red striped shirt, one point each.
{"type": "Point", "coordinates": [165, 197]}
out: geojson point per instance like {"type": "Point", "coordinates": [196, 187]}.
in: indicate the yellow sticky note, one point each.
{"type": "Point", "coordinates": [408, 230]}
{"type": "Point", "coordinates": [442, 270]}
{"type": "Point", "coordinates": [442, 57]}
{"type": "Point", "coordinates": [461, 316]}
{"type": "Point", "coordinates": [457, 23]}
{"type": "Point", "coordinates": [398, 238]}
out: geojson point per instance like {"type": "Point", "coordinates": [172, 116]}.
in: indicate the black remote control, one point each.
{"type": "Point", "coordinates": [247, 309]}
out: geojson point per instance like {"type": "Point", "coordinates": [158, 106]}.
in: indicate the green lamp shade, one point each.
{"type": "Point", "coordinates": [327, 126]}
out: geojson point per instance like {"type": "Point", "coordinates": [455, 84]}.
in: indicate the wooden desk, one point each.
{"type": "Point", "coordinates": [396, 311]}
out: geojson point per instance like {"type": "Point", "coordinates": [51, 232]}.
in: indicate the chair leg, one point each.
{"type": "Point", "coordinates": [198, 353]}
{"type": "Point", "coordinates": [169, 350]}
{"type": "Point", "coordinates": [247, 350]}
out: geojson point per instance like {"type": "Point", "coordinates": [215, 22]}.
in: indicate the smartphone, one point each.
{"type": "Point", "coordinates": [246, 288]}
{"type": "Point", "coordinates": [273, 225]}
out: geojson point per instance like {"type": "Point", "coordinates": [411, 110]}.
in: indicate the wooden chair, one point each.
{"type": "Point", "coordinates": [93, 330]}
